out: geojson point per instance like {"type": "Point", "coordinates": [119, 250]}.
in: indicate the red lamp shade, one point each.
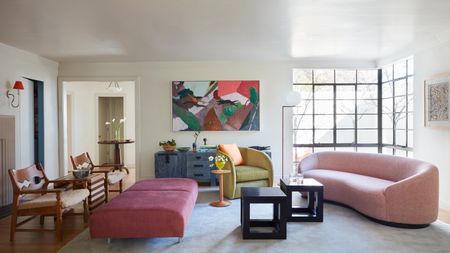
{"type": "Point", "coordinates": [18, 85]}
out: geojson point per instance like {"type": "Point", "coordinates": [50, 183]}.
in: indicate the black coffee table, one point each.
{"type": "Point", "coordinates": [313, 212]}
{"type": "Point", "coordinates": [251, 228]}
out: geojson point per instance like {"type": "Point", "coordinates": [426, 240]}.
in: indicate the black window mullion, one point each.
{"type": "Point", "coordinates": [380, 111]}
{"type": "Point", "coordinates": [334, 112]}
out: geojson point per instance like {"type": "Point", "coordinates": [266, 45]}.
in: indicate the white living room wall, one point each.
{"type": "Point", "coordinates": [155, 103]}
{"type": "Point", "coordinates": [432, 144]}
{"type": "Point", "coordinates": [15, 64]}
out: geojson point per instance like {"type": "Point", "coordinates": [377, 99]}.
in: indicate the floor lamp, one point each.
{"type": "Point", "coordinates": [292, 100]}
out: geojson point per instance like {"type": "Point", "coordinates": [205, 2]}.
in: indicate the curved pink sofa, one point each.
{"type": "Point", "coordinates": [393, 190]}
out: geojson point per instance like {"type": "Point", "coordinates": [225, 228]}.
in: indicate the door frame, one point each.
{"type": "Point", "coordinates": [137, 113]}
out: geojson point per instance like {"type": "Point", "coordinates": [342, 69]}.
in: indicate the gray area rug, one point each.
{"type": "Point", "coordinates": [218, 230]}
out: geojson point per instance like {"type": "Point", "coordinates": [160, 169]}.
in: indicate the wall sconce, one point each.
{"type": "Point", "coordinates": [18, 85]}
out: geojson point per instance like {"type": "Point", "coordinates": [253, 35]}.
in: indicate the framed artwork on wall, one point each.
{"type": "Point", "coordinates": [437, 101]}
{"type": "Point", "coordinates": [216, 105]}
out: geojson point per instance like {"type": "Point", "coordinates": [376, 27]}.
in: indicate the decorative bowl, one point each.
{"type": "Point", "coordinates": [81, 173]}
{"type": "Point", "coordinates": [183, 149]}
{"type": "Point", "coordinates": [169, 148]}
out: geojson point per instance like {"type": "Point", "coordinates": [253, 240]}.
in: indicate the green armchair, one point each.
{"type": "Point", "coordinates": [257, 171]}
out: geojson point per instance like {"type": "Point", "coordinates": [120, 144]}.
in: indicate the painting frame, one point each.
{"type": "Point", "coordinates": [216, 105]}
{"type": "Point", "coordinates": [437, 101]}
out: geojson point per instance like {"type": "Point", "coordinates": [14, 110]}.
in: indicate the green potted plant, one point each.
{"type": "Point", "coordinates": [169, 145]}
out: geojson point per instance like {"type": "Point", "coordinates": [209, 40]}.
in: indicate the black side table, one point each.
{"type": "Point", "coordinates": [314, 210]}
{"type": "Point", "coordinates": [277, 225]}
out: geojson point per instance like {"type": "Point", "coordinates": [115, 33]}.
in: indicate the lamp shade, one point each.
{"type": "Point", "coordinates": [293, 98]}
{"type": "Point", "coordinates": [18, 85]}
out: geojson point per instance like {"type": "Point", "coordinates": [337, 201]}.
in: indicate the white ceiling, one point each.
{"type": "Point", "coordinates": [167, 30]}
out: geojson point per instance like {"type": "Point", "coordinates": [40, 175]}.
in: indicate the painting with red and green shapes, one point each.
{"type": "Point", "coordinates": [215, 105]}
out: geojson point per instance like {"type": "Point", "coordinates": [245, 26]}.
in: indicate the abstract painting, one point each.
{"type": "Point", "coordinates": [437, 101]}
{"type": "Point", "coordinates": [215, 105]}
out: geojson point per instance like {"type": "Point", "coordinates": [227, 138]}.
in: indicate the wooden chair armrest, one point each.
{"type": "Point", "coordinates": [101, 171]}
{"type": "Point", "coordinates": [108, 165]}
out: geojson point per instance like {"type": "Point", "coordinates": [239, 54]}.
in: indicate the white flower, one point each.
{"type": "Point", "coordinates": [107, 123]}
{"type": "Point", "coordinates": [122, 120]}
{"type": "Point", "coordinates": [113, 120]}
{"type": "Point", "coordinates": [211, 158]}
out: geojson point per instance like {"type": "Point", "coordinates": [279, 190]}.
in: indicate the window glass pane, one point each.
{"type": "Point", "coordinates": [323, 121]}
{"type": "Point", "coordinates": [323, 107]}
{"type": "Point", "coordinates": [387, 89]}
{"type": "Point", "coordinates": [411, 66]}
{"type": "Point", "coordinates": [410, 121]}
{"type": "Point", "coordinates": [388, 107]}
{"type": "Point", "coordinates": [400, 69]}
{"type": "Point", "coordinates": [367, 136]}
{"type": "Point", "coordinates": [302, 76]}
{"type": "Point", "coordinates": [305, 107]}
{"type": "Point", "coordinates": [400, 104]}
{"type": "Point", "coordinates": [323, 149]}
{"type": "Point", "coordinates": [346, 149]}
{"type": "Point", "coordinates": [367, 121]}
{"type": "Point", "coordinates": [410, 85]}
{"type": "Point", "coordinates": [400, 137]}
{"type": "Point", "coordinates": [410, 154]}
{"type": "Point", "coordinates": [387, 73]}
{"type": "Point", "coordinates": [303, 136]}
{"type": "Point", "coordinates": [387, 120]}
{"type": "Point", "coordinates": [345, 136]}
{"type": "Point", "coordinates": [345, 121]}
{"type": "Point", "coordinates": [323, 136]}
{"type": "Point", "coordinates": [302, 121]}
{"type": "Point", "coordinates": [345, 76]}
{"type": "Point", "coordinates": [300, 153]}
{"type": "Point", "coordinates": [388, 151]}
{"type": "Point", "coordinates": [400, 87]}
{"type": "Point", "coordinates": [323, 92]}
{"type": "Point", "coordinates": [410, 139]}
{"type": "Point", "coordinates": [400, 119]}
{"type": "Point", "coordinates": [304, 90]}
{"type": "Point", "coordinates": [367, 106]}
{"type": "Point", "coordinates": [372, 150]}
{"type": "Point", "coordinates": [388, 136]}
{"type": "Point", "coordinates": [399, 152]}
{"type": "Point", "coordinates": [323, 76]}
{"type": "Point", "coordinates": [368, 76]}
{"type": "Point", "coordinates": [410, 103]}
{"type": "Point", "coordinates": [367, 91]}
{"type": "Point", "coordinates": [345, 92]}
{"type": "Point", "coordinates": [345, 106]}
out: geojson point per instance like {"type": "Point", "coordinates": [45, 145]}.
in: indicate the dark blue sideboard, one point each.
{"type": "Point", "coordinates": [189, 164]}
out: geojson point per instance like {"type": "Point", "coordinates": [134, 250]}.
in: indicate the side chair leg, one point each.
{"type": "Point", "coordinates": [108, 240]}
{"type": "Point", "coordinates": [13, 226]}
{"type": "Point", "coordinates": [180, 240]}
{"type": "Point", "coordinates": [86, 211]}
{"type": "Point", "coordinates": [58, 226]}
{"type": "Point", "coordinates": [121, 186]}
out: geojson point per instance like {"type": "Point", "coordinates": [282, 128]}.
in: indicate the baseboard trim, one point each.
{"type": "Point", "coordinates": [445, 205]}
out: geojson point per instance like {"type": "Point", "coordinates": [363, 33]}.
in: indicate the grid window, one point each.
{"type": "Point", "coordinates": [397, 118]}
{"type": "Point", "coordinates": [368, 110]}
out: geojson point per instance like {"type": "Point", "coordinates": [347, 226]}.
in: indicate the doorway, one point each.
{"type": "Point", "coordinates": [38, 121]}
{"type": "Point", "coordinates": [86, 106]}
{"type": "Point", "coordinates": [110, 109]}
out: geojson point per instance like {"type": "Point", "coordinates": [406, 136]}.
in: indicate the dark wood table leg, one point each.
{"type": "Point", "coordinates": [117, 155]}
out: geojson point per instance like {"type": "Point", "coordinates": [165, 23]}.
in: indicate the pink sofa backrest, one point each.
{"type": "Point", "coordinates": [386, 167]}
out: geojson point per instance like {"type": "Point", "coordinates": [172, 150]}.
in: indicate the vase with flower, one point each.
{"type": "Point", "coordinates": [194, 144]}
{"type": "Point", "coordinates": [219, 161]}
{"type": "Point", "coordinates": [117, 127]}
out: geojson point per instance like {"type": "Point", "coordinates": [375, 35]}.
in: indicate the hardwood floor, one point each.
{"type": "Point", "coordinates": [33, 242]}
{"type": "Point", "coordinates": [45, 242]}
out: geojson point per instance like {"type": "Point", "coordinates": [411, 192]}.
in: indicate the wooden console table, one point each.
{"type": "Point", "coordinates": [117, 159]}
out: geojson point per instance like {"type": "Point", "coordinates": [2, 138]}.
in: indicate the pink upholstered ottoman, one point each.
{"type": "Point", "coordinates": [150, 208]}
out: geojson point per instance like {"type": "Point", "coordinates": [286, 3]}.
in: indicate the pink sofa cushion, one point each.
{"type": "Point", "coordinates": [135, 214]}
{"type": "Point", "coordinates": [365, 194]}
{"type": "Point", "coordinates": [165, 184]}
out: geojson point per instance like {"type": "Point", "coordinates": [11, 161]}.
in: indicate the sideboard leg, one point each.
{"type": "Point", "coordinates": [108, 240]}
{"type": "Point", "coordinates": [180, 239]}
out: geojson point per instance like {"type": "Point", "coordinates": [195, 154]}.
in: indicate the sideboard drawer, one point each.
{"type": "Point", "coordinates": [201, 175]}
{"type": "Point", "coordinates": [199, 156]}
